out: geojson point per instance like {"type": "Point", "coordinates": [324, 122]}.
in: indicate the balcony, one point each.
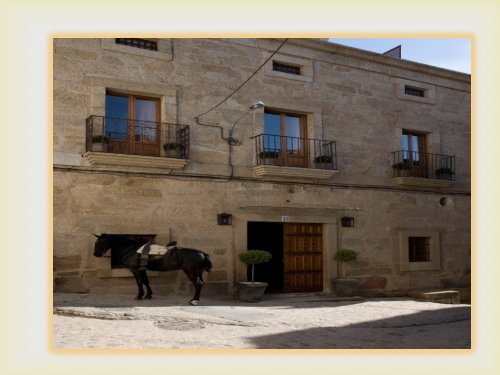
{"type": "Point", "coordinates": [133, 143]}
{"type": "Point", "coordinates": [418, 169]}
{"type": "Point", "coordinates": [293, 157]}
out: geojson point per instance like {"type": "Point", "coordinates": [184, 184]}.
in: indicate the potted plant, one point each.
{"type": "Point", "coordinates": [345, 287]}
{"type": "Point", "coordinates": [173, 149]}
{"type": "Point", "coordinates": [323, 161]}
{"type": "Point", "coordinates": [269, 157]}
{"type": "Point", "coordinates": [100, 143]}
{"type": "Point", "coordinates": [402, 169]}
{"type": "Point", "coordinates": [444, 173]}
{"type": "Point", "coordinates": [251, 291]}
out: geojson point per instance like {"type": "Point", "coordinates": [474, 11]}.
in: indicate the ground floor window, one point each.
{"type": "Point", "coordinates": [419, 250]}
{"type": "Point", "coordinates": [141, 240]}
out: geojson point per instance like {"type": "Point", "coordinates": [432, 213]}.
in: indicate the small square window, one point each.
{"type": "Point", "coordinates": [419, 249]}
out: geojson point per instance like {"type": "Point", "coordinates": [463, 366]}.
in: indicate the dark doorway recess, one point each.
{"type": "Point", "coordinates": [267, 236]}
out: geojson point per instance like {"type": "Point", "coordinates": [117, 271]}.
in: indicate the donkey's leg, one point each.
{"type": "Point", "coordinates": [198, 284]}
{"type": "Point", "coordinates": [145, 280]}
{"type": "Point", "coordinates": [138, 280]}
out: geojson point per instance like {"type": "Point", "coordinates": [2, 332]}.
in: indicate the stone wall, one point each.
{"type": "Point", "coordinates": [349, 96]}
{"type": "Point", "coordinates": [185, 210]}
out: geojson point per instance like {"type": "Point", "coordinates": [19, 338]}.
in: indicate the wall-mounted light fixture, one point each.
{"type": "Point", "coordinates": [346, 221]}
{"type": "Point", "coordinates": [224, 219]}
{"type": "Point", "coordinates": [234, 141]}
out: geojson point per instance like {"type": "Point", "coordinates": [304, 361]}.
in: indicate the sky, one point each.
{"type": "Point", "coordinates": [448, 53]}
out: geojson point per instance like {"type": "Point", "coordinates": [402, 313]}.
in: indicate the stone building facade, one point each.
{"type": "Point", "coordinates": [351, 150]}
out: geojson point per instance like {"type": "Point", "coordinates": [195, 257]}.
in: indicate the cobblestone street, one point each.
{"type": "Point", "coordinates": [277, 322]}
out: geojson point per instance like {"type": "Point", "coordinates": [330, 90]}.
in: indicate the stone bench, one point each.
{"type": "Point", "coordinates": [438, 296]}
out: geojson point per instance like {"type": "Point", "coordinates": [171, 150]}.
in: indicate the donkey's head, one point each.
{"type": "Point", "coordinates": [101, 245]}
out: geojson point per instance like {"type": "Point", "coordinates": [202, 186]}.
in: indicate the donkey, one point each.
{"type": "Point", "coordinates": [193, 262]}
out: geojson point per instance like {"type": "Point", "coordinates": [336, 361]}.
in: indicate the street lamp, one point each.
{"type": "Point", "coordinates": [234, 141]}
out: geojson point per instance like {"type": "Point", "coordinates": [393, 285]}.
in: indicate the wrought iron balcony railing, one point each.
{"type": "Point", "coordinates": [423, 165]}
{"type": "Point", "coordinates": [295, 152]}
{"type": "Point", "coordinates": [135, 137]}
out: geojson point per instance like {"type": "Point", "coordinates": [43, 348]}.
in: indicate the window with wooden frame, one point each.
{"type": "Point", "coordinates": [285, 135]}
{"type": "Point", "coordinates": [414, 152]}
{"type": "Point", "coordinates": [132, 123]}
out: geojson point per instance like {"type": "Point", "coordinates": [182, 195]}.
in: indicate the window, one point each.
{"type": "Point", "coordinates": [419, 249]}
{"type": "Point", "coordinates": [138, 43]}
{"type": "Point", "coordinates": [131, 123]}
{"type": "Point", "coordinates": [160, 48]}
{"type": "Point", "coordinates": [414, 152]}
{"type": "Point", "coordinates": [141, 240]}
{"type": "Point", "coordinates": [123, 150]}
{"type": "Point", "coordinates": [413, 145]}
{"type": "Point", "coordinates": [290, 68]}
{"type": "Point", "coordinates": [414, 91]}
{"type": "Point", "coordinates": [285, 136]}
{"type": "Point", "coordinates": [285, 68]}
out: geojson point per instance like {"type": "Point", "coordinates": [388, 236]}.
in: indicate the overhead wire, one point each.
{"type": "Point", "coordinates": [248, 79]}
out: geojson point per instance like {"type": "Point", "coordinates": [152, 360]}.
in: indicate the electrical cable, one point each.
{"type": "Point", "coordinates": [248, 79]}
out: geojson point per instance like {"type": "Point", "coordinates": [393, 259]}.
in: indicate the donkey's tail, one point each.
{"type": "Point", "coordinates": [207, 263]}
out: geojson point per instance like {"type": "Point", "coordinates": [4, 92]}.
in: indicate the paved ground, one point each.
{"type": "Point", "coordinates": [277, 322]}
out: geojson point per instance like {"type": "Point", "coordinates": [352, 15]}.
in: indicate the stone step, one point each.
{"type": "Point", "coordinates": [438, 296]}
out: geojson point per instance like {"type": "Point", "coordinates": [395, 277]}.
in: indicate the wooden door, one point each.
{"type": "Point", "coordinates": [303, 257]}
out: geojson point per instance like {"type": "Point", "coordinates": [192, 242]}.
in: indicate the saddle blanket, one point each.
{"type": "Point", "coordinates": [156, 249]}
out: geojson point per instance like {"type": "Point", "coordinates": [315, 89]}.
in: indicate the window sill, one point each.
{"type": "Point", "coordinates": [124, 272]}
{"type": "Point", "coordinates": [423, 182]}
{"type": "Point", "coordinates": [429, 91]}
{"type": "Point", "coordinates": [155, 163]}
{"type": "Point", "coordinates": [270, 171]}
{"type": "Point", "coordinates": [293, 77]}
{"type": "Point", "coordinates": [306, 68]}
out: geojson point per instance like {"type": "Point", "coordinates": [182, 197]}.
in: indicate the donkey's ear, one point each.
{"type": "Point", "coordinates": [96, 235]}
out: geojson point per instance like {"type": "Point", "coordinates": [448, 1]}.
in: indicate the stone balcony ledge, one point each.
{"type": "Point", "coordinates": [429, 183]}
{"type": "Point", "coordinates": [102, 159]}
{"type": "Point", "coordinates": [271, 171]}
